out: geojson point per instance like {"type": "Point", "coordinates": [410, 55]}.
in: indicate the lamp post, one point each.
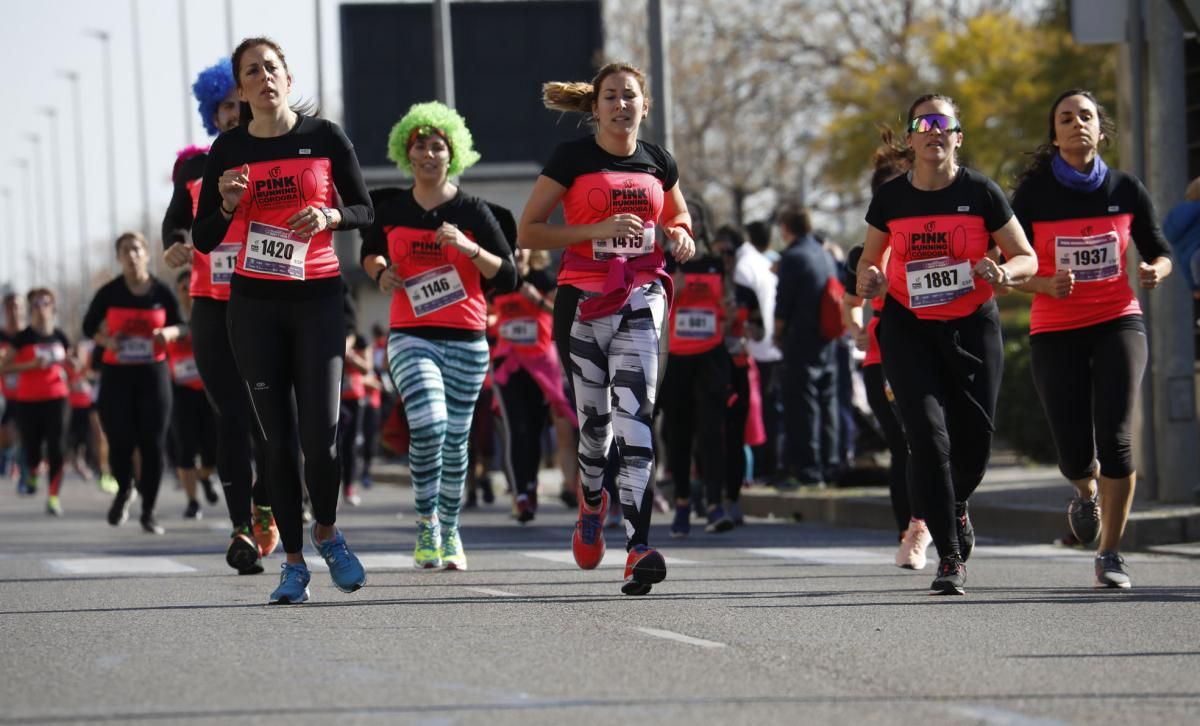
{"type": "Point", "coordinates": [13, 257]}
{"type": "Point", "coordinates": [39, 192]}
{"type": "Point", "coordinates": [85, 253]}
{"type": "Point", "coordinates": [140, 119]}
{"type": "Point", "coordinates": [51, 113]}
{"type": "Point", "coordinates": [105, 40]}
{"type": "Point", "coordinates": [23, 164]}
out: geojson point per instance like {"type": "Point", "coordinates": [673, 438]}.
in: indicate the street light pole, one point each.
{"type": "Point", "coordinates": [85, 252]}
{"type": "Point", "coordinates": [39, 192]}
{"type": "Point", "coordinates": [23, 165]}
{"type": "Point", "coordinates": [187, 76]}
{"type": "Point", "coordinates": [104, 38]}
{"type": "Point", "coordinates": [13, 258]}
{"type": "Point", "coordinates": [51, 113]}
{"type": "Point", "coordinates": [140, 113]}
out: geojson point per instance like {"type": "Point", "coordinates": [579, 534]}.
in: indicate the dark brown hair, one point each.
{"type": "Point", "coordinates": [130, 235]}
{"type": "Point", "coordinates": [794, 218]}
{"type": "Point", "coordinates": [895, 152]}
{"type": "Point", "coordinates": [246, 113]}
{"type": "Point", "coordinates": [1041, 157]}
{"type": "Point", "coordinates": [38, 292]}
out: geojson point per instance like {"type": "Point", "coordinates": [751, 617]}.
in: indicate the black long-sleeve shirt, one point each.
{"type": "Point", "coordinates": [310, 138]}
{"type": "Point", "coordinates": [177, 222]}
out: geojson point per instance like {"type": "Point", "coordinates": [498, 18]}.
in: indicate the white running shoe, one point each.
{"type": "Point", "coordinates": [911, 555]}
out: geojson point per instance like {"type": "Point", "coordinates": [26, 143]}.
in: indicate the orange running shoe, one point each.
{"type": "Point", "coordinates": [266, 534]}
{"type": "Point", "coordinates": [587, 544]}
{"type": "Point", "coordinates": [644, 568]}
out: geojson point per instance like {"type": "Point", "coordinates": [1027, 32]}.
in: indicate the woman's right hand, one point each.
{"type": "Point", "coordinates": [233, 185]}
{"type": "Point", "coordinates": [872, 283]}
{"type": "Point", "coordinates": [389, 281]}
{"type": "Point", "coordinates": [178, 254]}
{"type": "Point", "coordinates": [1062, 285]}
{"type": "Point", "coordinates": [620, 225]}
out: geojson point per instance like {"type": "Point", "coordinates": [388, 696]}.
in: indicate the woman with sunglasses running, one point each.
{"type": "Point", "coordinates": [1087, 334]}
{"type": "Point", "coordinates": [281, 174]}
{"type": "Point", "coordinates": [939, 330]}
{"type": "Point", "coordinates": [614, 296]}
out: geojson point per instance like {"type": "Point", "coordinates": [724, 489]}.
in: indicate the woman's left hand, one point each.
{"type": "Point", "coordinates": [308, 221]}
{"type": "Point", "coordinates": [450, 236]}
{"type": "Point", "coordinates": [1148, 276]}
{"type": "Point", "coordinates": [684, 247]}
{"type": "Point", "coordinates": [988, 271]}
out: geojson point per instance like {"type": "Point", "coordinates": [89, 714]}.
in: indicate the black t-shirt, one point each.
{"type": "Point", "coordinates": [1041, 198]}
{"type": "Point", "coordinates": [583, 156]}
{"type": "Point", "coordinates": [544, 280]}
{"type": "Point", "coordinates": [29, 336]}
{"type": "Point", "coordinates": [970, 193]}
{"type": "Point", "coordinates": [177, 222]}
{"type": "Point", "coordinates": [116, 294]}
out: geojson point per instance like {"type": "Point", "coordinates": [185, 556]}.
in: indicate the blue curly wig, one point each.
{"type": "Point", "coordinates": [211, 87]}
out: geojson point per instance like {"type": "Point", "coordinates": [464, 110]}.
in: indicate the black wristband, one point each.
{"type": "Point", "coordinates": [226, 211]}
{"type": "Point", "coordinates": [380, 273]}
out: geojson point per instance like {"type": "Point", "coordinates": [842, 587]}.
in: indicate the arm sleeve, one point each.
{"type": "Point", "coordinates": [1147, 235]}
{"type": "Point", "coordinates": [210, 225]}
{"type": "Point", "coordinates": [177, 222]}
{"type": "Point", "coordinates": [95, 313]}
{"type": "Point", "coordinates": [996, 211]}
{"type": "Point", "coordinates": [374, 241]}
{"type": "Point", "coordinates": [560, 168]}
{"type": "Point", "coordinates": [785, 290]}
{"type": "Point", "coordinates": [490, 236]}
{"type": "Point", "coordinates": [171, 305]}
{"type": "Point", "coordinates": [357, 210]}
{"type": "Point", "coordinates": [671, 171]}
{"type": "Point", "coordinates": [850, 269]}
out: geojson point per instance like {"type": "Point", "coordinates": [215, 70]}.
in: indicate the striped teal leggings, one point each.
{"type": "Point", "coordinates": [438, 381]}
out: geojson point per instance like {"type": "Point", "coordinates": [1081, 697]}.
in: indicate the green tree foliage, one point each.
{"type": "Point", "coordinates": [1002, 69]}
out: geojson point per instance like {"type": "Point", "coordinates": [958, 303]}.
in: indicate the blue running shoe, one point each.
{"type": "Point", "coordinates": [718, 521]}
{"type": "Point", "coordinates": [681, 526]}
{"type": "Point", "coordinates": [344, 568]}
{"type": "Point", "coordinates": [293, 585]}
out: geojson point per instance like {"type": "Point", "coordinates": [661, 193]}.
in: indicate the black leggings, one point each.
{"type": "Point", "coordinates": [42, 424]}
{"type": "Point", "coordinates": [194, 429]}
{"type": "Point", "coordinates": [524, 415]}
{"type": "Point", "coordinates": [284, 345]}
{"type": "Point", "coordinates": [946, 379]}
{"type": "Point", "coordinates": [349, 422]}
{"type": "Point", "coordinates": [1088, 381]}
{"type": "Point", "coordinates": [370, 437]}
{"type": "Point", "coordinates": [135, 407]}
{"type": "Point", "coordinates": [692, 399]}
{"type": "Point", "coordinates": [893, 434]}
{"type": "Point", "coordinates": [227, 392]}
{"type": "Point", "coordinates": [79, 432]}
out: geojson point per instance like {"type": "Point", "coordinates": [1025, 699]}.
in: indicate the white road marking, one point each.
{"type": "Point", "coordinates": [370, 561]}
{"type": "Point", "coordinates": [992, 716]}
{"type": "Point", "coordinates": [825, 555]}
{"type": "Point", "coordinates": [493, 593]}
{"type": "Point", "coordinates": [119, 566]}
{"type": "Point", "coordinates": [612, 558]}
{"type": "Point", "coordinates": [668, 635]}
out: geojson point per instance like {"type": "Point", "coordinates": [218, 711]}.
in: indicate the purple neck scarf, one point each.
{"type": "Point", "coordinates": [1072, 179]}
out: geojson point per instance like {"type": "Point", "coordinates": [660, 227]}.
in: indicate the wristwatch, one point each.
{"type": "Point", "coordinates": [328, 217]}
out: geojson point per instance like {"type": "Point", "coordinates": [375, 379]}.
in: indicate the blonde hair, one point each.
{"type": "Point", "coordinates": [579, 96]}
{"type": "Point", "coordinates": [1193, 190]}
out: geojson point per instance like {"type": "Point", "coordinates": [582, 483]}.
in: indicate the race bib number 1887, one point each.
{"type": "Point", "coordinates": [937, 281]}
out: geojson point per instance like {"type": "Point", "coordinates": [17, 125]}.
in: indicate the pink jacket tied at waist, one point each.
{"type": "Point", "coordinates": [619, 275]}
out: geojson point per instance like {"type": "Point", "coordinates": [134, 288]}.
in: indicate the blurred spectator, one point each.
{"type": "Point", "coordinates": [753, 271]}
{"type": "Point", "coordinates": [809, 361]}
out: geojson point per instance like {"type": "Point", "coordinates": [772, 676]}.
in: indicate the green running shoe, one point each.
{"type": "Point", "coordinates": [53, 506]}
{"type": "Point", "coordinates": [453, 555]}
{"type": "Point", "coordinates": [428, 553]}
{"type": "Point", "coordinates": [108, 484]}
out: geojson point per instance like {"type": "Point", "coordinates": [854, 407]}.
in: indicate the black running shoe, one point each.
{"type": "Point", "coordinates": [486, 491]}
{"type": "Point", "coordinates": [192, 511]}
{"type": "Point", "coordinates": [1083, 515]}
{"type": "Point", "coordinates": [210, 491]}
{"type": "Point", "coordinates": [1110, 571]}
{"type": "Point", "coordinates": [568, 497]}
{"type": "Point", "coordinates": [951, 577]}
{"type": "Point", "coordinates": [243, 554]}
{"type": "Point", "coordinates": [119, 511]}
{"type": "Point", "coordinates": [150, 525]}
{"type": "Point", "coordinates": [966, 532]}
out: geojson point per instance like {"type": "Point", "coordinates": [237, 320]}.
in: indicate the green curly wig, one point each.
{"type": "Point", "coordinates": [437, 116]}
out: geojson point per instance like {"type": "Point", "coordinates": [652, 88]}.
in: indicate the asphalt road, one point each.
{"type": "Point", "coordinates": [775, 622]}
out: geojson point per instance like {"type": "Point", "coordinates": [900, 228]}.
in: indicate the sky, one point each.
{"type": "Point", "coordinates": [38, 40]}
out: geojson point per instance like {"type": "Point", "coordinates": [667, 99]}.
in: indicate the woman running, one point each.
{"type": "Point", "coordinates": [279, 175]}
{"type": "Point", "coordinates": [40, 361]}
{"type": "Point", "coordinates": [354, 399]}
{"type": "Point", "coordinates": [193, 429]}
{"type": "Point", "coordinates": [939, 330]}
{"type": "Point", "coordinates": [133, 318]}
{"type": "Point", "coordinates": [435, 249]}
{"type": "Point", "coordinates": [914, 533]}
{"type": "Point", "coordinates": [613, 298]}
{"type": "Point", "coordinates": [254, 534]}
{"type": "Point", "coordinates": [527, 376]}
{"type": "Point", "coordinates": [80, 449]}
{"type": "Point", "coordinates": [1087, 334]}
